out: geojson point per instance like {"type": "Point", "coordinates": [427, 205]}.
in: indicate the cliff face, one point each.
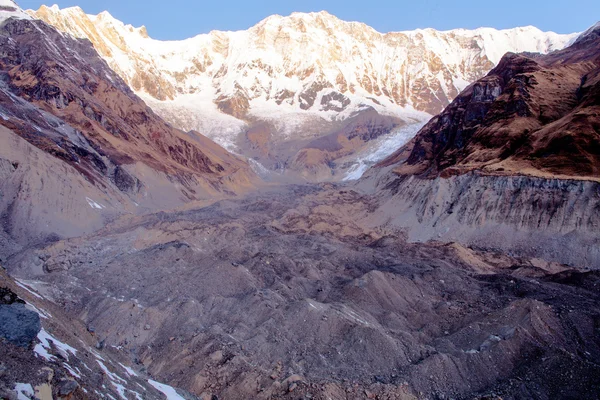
{"type": "Point", "coordinates": [552, 219]}
{"type": "Point", "coordinates": [298, 78]}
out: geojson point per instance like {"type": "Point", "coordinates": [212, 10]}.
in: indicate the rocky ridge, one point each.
{"type": "Point", "coordinates": [79, 148]}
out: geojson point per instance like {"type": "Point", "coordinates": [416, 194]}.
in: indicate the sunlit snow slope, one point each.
{"type": "Point", "coordinates": [303, 74]}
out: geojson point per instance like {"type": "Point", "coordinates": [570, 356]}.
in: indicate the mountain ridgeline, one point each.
{"type": "Point", "coordinates": [80, 148]}
{"type": "Point", "coordinates": [300, 94]}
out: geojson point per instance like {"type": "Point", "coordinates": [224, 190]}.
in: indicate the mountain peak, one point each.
{"type": "Point", "coordinates": [591, 31]}
{"type": "Point", "coordinates": [55, 9]}
{"type": "Point", "coordinates": [10, 9]}
{"type": "Point", "coordinates": [294, 18]}
{"type": "Point", "coordinates": [105, 15]}
{"type": "Point", "coordinates": [313, 14]}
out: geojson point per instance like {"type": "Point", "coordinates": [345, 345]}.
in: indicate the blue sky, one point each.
{"type": "Point", "coordinates": [179, 19]}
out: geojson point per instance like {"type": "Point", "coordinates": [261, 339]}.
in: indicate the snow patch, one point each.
{"type": "Point", "coordinates": [42, 313]}
{"type": "Point", "coordinates": [46, 341]}
{"type": "Point", "coordinates": [94, 204]}
{"type": "Point", "coordinates": [112, 376]}
{"type": "Point", "coordinates": [115, 380]}
{"type": "Point", "coordinates": [22, 285]}
{"type": "Point", "coordinates": [24, 391]}
{"type": "Point", "coordinates": [73, 371]}
{"type": "Point", "coordinates": [167, 390]}
{"type": "Point", "coordinates": [129, 371]}
{"type": "Point", "coordinates": [381, 149]}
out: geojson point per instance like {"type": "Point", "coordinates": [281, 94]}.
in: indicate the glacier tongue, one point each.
{"type": "Point", "coordinates": [381, 149]}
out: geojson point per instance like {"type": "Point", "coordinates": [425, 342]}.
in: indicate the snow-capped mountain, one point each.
{"type": "Point", "coordinates": [10, 9]}
{"type": "Point", "coordinates": [303, 75]}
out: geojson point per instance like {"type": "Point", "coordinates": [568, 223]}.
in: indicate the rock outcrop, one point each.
{"type": "Point", "coordinates": [531, 115]}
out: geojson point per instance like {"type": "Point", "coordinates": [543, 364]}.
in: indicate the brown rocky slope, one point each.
{"type": "Point", "coordinates": [512, 164]}
{"type": "Point", "coordinates": [80, 148]}
{"type": "Point", "coordinates": [67, 78]}
{"type": "Point", "coordinates": [531, 115]}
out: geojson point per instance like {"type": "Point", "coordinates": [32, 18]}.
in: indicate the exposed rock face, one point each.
{"type": "Point", "coordinates": [303, 74]}
{"type": "Point", "coordinates": [553, 219]}
{"type": "Point", "coordinates": [18, 325]}
{"type": "Point", "coordinates": [69, 80]}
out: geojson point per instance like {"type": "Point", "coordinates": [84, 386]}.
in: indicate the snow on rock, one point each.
{"type": "Point", "coordinates": [42, 313]}
{"type": "Point", "coordinates": [129, 371]}
{"type": "Point", "coordinates": [167, 390]}
{"type": "Point", "coordinates": [46, 341]}
{"type": "Point", "coordinates": [115, 380]}
{"type": "Point", "coordinates": [24, 391]}
{"type": "Point", "coordinates": [73, 371]}
{"type": "Point", "coordinates": [588, 32]}
{"type": "Point", "coordinates": [10, 9]}
{"type": "Point", "coordinates": [94, 204]}
{"type": "Point", "coordinates": [113, 377]}
{"type": "Point", "coordinates": [23, 285]}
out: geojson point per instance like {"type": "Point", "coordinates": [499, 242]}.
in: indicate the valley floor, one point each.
{"type": "Point", "coordinates": [289, 293]}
